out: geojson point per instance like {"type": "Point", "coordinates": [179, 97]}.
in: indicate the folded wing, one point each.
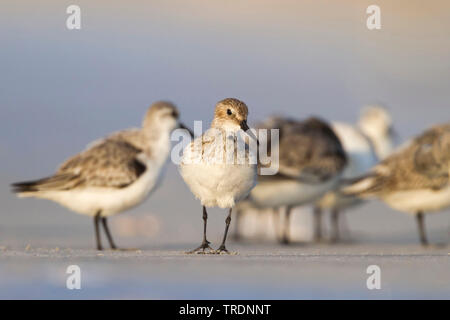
{"type": "Point", "coordinates": [111, 163]}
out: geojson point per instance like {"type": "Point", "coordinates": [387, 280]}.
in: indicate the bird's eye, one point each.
{"type": "Point", "coordinates": [229, 112]}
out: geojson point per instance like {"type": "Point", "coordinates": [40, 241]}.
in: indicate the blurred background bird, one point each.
{"type": "Point", "coordinates": [364, 143]}
{"type": "Point", "coordinates": [113, 174]}
{"type": "Point", "coordinates": [311, 161]}
{"type": "Point", "coordinates": [415, 179]}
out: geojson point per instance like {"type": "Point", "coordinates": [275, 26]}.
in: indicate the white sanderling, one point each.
{"type": "Point", "coordinates": [311, 160]}
{"type": "Point", "coordinates": [211, 176]}
{"type": "Point", "coordinates": [370, 141]}
{"type": "Point", "coordinates": [414, 179]}
{"type": "Point", "coordinates": [113, 174]}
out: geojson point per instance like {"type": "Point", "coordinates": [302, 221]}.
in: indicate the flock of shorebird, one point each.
{"type": "Point", "coordinates": [331, 166]}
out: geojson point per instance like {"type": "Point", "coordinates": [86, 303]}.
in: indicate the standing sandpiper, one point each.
{"type": "Point", "coordinates": [414, 179]}
{"type": "Point", "coordinates": [113, 174]}
{"type": "Point", "coordinates": [211, 176]}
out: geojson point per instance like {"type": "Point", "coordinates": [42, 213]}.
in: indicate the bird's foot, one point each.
{"type": "Point", "coordinates": [334, 240]}
{"type": "Point", "coordinates": [222, 250]}
{"type": "Point", "coordinates": [201, 249]}
{"type": "Point", "coordinates": [284, 240]}
{"type": "Point", "coordinates": [428, 245]}
{"type": "Point", "coordinates": [319, 240]}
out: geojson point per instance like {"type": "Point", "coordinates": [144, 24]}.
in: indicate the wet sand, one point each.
{"type": "Point", "coordinates": [264, 271]}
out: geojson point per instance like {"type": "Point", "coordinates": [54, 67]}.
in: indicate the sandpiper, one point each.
{"type": "Point", "coordinates": [213, 178]}
{"type": "Point", "coordinates": [113, 174]}
{"type": "Point", "coordinates": [311, 160]}
{"type": "Point", "coordinates": [370, 141]}
{"type": "Point", "coordinates": [414, 179]}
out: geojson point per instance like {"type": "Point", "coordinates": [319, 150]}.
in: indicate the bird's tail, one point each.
{"type": "Point", "coordinates": [364, 186]}
{"type": "Point", "coordinates": [31, 188]}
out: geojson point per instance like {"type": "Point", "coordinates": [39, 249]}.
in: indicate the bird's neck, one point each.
{"type": "Point", "coordinates": [219, 124]}
{"type": "Point", "coordinates": [382, 144]}
{"type": "Point", "coordinates": [157, 141]}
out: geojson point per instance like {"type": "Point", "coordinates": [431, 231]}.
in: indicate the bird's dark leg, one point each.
{"type": "Point", "coordinates": [335, 225]}
{"type": "Point", "coordinates": [276, 222]}
{"type": "Point", "coordinates": [205, 242]}
{"type": "Point", "coordinates": [108, 234]}
{"type": "Point", "coordinates": [421, 225]}
{"type": "Point", "coordinates": [237, 235]}
{"type": "Point", "coordinates": [287, 226]}
{"type": "Point", "coordinates": [222, 247]}
{"type": "Point", "coordinates": [97, 230]}
{"type": "Point", "coordinates": [317, 224]}
{"type": "Point", "coordinates": [343, 223]}
{"type": "Point", "coordinates": [277, 218]}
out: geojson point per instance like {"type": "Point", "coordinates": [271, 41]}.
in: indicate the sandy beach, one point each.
{"type": "Point", "coordinates": [257, 272]}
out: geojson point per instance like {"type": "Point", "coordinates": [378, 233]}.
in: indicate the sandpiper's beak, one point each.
{"type": "Point", "coordinates": [182, 126]}
{"type": "Point", "coordinates": [244, 126]}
